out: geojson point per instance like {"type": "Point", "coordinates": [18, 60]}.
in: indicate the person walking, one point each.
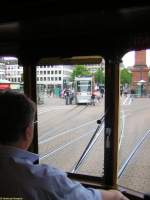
{"type": "Point", "coordinates": [93, 98]}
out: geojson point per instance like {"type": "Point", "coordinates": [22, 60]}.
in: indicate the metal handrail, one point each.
{"type": "Point", "coordinates": [132, 153]}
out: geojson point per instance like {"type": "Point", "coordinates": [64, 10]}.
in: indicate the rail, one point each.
{"type": "Point", "coordinates": [140, 142]}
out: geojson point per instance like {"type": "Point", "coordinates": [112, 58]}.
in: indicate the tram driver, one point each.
{"type": "Point", "coordinates": [20, 178]}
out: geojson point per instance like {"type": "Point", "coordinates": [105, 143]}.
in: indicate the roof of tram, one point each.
{"type": "Point", "coordinates": [52, 27]}
{"type": "Point", "coordinates": [14, 10]}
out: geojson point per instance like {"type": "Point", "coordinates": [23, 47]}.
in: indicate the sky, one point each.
{"type": "Point", "coordinates": [128, 58]}
{"type": "Point", "coordinates": [10, 58]}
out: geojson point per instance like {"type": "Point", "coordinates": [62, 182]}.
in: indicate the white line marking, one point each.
{"type": "Point", "coordinates": [67, 131]}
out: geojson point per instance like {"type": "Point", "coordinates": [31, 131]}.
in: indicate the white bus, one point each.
{"type": "Point", "coordinates": [83, 87]}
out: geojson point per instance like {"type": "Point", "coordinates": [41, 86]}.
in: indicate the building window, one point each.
{"type": "Point", "coordinates": [59, 78]}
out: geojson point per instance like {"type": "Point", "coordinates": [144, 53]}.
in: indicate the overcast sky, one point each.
{"type": "Point", "coordinates": [128, 59]}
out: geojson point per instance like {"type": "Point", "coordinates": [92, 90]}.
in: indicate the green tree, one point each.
{"type": "Point", "coordinates": [79, 70]}
{"type": "Point", "coordinates": [125, 76]}
{"type": "Point", "coordinates": [99, 76]}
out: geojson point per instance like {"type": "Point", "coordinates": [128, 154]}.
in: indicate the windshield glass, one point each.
{"type": "Point", "coordinates": [67, 122]}
{"type": "Point", "coordinates": [84, 86]}
{"type": "Point", "coordinates": [134, 134]}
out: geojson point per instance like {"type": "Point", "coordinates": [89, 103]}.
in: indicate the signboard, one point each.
{"type": "Point", "coordinates": [4, 86]}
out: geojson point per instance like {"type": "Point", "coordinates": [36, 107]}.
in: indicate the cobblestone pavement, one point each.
{"type": "Point", "coordinates": [50, 101]}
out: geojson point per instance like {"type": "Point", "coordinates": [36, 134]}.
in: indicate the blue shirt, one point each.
{"type": "Point", "coordinates": [21, 178]}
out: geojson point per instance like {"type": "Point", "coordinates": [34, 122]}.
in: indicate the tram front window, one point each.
{"type": "Point", "coordinates": [84, 86]}
{"type": "Point", "coordinates": [65, 128]}
{"type": "Point", "coordinates": [134, 136]}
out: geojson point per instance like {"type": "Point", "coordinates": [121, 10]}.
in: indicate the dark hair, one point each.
{"type": "Point", "coordinates": [16, 113]}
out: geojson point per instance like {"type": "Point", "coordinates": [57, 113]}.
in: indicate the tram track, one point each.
{"type": "Point", "coordinates": [63, 128]}
{"type": "Point", "coordinates": [59, 123]}
{"type": "Point", "coordinates": [133, 139]}
{"type": "Point", "coordinates": [60, 148]}
{"type": "Point", "coordinates": [56, 141]}
{"type": "Point", "coordinates": [54, 113]}
{"type": "Point", "coordinates": [68, 131]}
{"type": "Point", "coordinates": [64, 149]}
{"type": "Point", "coordinates": [73, 141]}
{"type": "Point", "coordinates": [133, 152]}
{"type": "Point", "coordinates": [123, 119]}
{"type": "Point", "coordinates": [86, 152]}
{"type": "Point", "coordinates": [88, 148]}
{"type": "Point", "coordinates": [63, 137]}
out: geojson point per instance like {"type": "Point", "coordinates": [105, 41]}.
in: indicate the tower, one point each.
{"type": "Point", "coordinates": [140, 73]}
{"type": "Point", "coordinates": [140, 69]}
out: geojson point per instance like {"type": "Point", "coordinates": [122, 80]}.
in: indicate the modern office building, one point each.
{"type": "Point", "coordinates": [49, 75]}
{"type": "Point", "coordinates": [53, 75]}
{"type": "Point", "coordinates": [2, 71]}
{"type": "Point", "coordinates": [13, 71]}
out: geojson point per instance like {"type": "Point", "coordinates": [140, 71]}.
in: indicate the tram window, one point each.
{"type": "Point", "coordinates": [65, 126]}
{"type": "Point", "coordinates": [134, 136]}
{"type": "Point", "coordinates": [83, 86]}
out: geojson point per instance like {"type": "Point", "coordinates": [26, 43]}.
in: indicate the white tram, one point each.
{"type": "Point", "coordinates": [83, 89]}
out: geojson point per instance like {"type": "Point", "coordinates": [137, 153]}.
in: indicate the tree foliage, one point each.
{"type": "Point", "coordinates": [99, 76]}
{"type": "Point", "coordinates": [80, 70]}
{"type": "Point", "coordinates": [125, 76]}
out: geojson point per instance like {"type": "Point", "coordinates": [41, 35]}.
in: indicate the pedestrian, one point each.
{"type": "Point", "coordinates": [50, 92]}
{"type": "Point", "coordinates": [71, 96]}
{"type": "Point", "coordinates": [98, 97]}
{"type": "Point", "coordinates": [67, 96]}
{"type": "Point", "coordinates": [132, 93]}
{"type": "Point", "coordinates": [93, 98]}
{"type": "Point", "coordinates": [125, 92]}
{"type": "Point", "coordinates": [102, 92]}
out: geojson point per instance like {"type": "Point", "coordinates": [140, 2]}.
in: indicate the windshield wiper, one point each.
{"type": "Point", "coordinates": [90, 144]}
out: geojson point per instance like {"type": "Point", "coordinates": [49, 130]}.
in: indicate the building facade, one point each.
{"type": "Point", "coordinates": [49, 75]}
{"type": "Point", "coordinates": [140, 77]}
{"type": "Point", "coordinates": [2, 71]}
